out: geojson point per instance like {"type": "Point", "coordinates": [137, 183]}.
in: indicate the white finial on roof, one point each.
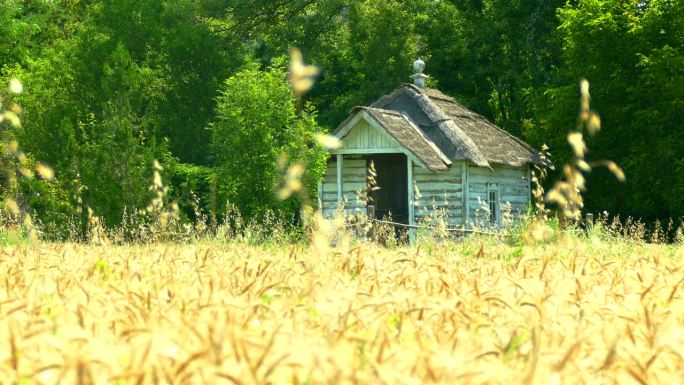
{"type": "Point", "coordinates": [419, 77]}
{"type": "Point", "coordinates": [419, 66]}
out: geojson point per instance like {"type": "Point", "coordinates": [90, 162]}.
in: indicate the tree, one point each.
{"type": "Point", "coordinates": [633, 55]}
{"type": "Point", "coordinates": [115, 156]}
{"type": "Point", "coordinates": [256, 124]}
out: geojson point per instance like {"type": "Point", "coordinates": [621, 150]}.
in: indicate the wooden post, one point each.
{"type": "Point", "coordinates": [411, 206]}
{"type": "Point", "coordinates": [339, 178]}
{"type": "Point", "coordinates": [529, 184]}
{"type": "Point", "coordinates": [320, 196]}
{"type": "Point", "coordinates": [589, 221]}
{"type": "Point", "coordinates": [466, 198]}
{"type": "Point", "coordinates": [370, 212]}
{"type": "Point", "coordinates": [370, 215]}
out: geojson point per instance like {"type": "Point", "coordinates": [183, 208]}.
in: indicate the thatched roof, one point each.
{"type": "Point", "coordinates": [405, 132]}
{"type": "Point", "coordinates": [456, 131]}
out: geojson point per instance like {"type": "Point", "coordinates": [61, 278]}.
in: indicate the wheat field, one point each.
{"type": "Point", "coordinates": [476, 312]}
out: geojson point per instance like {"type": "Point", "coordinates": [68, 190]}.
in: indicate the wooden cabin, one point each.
{"type": "Point", "coordinates": [433, 159]}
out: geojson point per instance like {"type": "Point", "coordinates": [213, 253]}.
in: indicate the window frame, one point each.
{"type": "Point", "coordinates": [495, 214]}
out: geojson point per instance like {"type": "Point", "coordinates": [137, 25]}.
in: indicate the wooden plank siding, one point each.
{"type": "Point", "coordinates": [438, 195]}
{"type": "Point", "coordinates": [353, 186]}
{"type": "Point", "coordinates": [511, 183]}
{"type": "Point", "coordinates": [364, 136]}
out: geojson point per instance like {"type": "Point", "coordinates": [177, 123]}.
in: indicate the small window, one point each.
{"type": "Point", "coordinates": [493, 207]}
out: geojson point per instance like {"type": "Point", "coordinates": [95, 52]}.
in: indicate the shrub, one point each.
{"type": "Point", "coordinates": [257, 133]}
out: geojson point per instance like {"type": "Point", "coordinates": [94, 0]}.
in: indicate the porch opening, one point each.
{"type": "Point", "coordinates": [391, 196]}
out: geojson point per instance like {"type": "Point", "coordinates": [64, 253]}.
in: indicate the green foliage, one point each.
{"type": "Point", "coordinates": [115, 167]}
{"type": "Point", "coordinates": [51, 207]}
{"type": "Point", "coordinates": [11, 32]}
{"type": "Point", "coordinates": [194, 189]}
{"type": "Point", "coordinates": [633, 54]}
{"type": "Point", "coordinates": [105, 83]}
{"type": "Point", "coordinates": [256, 124]}
{"type": "Point", "coordinates": [111, 84]}
{"type": "Point", "coordinates": [359, 62]}
{"type": "Point", "coordinates": [494, 55]}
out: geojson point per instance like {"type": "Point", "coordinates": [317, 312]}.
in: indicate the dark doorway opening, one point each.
{"type": "Point", "coordinates": [390, 199]}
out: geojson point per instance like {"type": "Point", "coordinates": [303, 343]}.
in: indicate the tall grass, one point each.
{"type": "Point", "coordinates": [581, 311]}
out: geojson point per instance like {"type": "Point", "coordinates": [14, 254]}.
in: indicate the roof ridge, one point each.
{"type": "Point", "coordinates": [461, 127]}
{"type": "Point", "coordinates": [468, 113]}
{"type": "Point", "coordinates": [372, 111]}
{"type": "Point", "coordinates": [385, 111]}
{"type": "Point", "coordinates": [385, 99]}
{"type": "Point", "coordinates": [432, 144]}
{"type": "Point", "coordinates": [473, 114]}
{"type": "Point", "coordinates": [463, 143]}
{"type": "Point", "coordinates": [439, 94]}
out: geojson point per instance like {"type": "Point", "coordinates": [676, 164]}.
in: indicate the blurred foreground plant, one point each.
{"type": "Point", "coordinates": [566, 193]}
{"type": "Point", "coordinates": [15, 163]}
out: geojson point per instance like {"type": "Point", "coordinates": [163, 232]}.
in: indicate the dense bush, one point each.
{"type": "Point", "coordinates": [194, 190]}
{"type": "Point", "coordinates": [256, 130]}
